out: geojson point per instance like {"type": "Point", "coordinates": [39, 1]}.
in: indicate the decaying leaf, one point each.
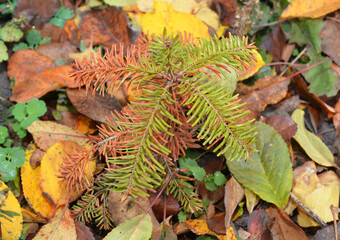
{"type": "Point", "coordinates": [96, 107]}
{"type": "Point", "coordinates": [283, 227]}
{"type": "Point", "coordinates": [269, 169]}
{"type": "Point", "coordinates": [199, 227]}
{"type": "Point", "coordinates": [61, 226]}
{"type": "Point", "coordinates": [317, 192]}
{"type": "Point", "coordinates": [11, 216]}
{"type": "Point", "coordinates": [251, 200]}
{"type": "Point", "coordinates": [234, 193]}
{"type": "Point", "coordinates": [265, 91]}
{"type": "Point", "coordinates": [106, 27]}
{"type": "Point", "coordinates": [284, 125]}
{"type": "Point", "coordinates": [247, 73]}
{"type": "Point", "coordinates": [336, 118]}
{"type": "Point", "coordinates": [309, 8]}
{"type": "Point", "coordinates": [164, 15]}
{"type": "Point", "coordinates": [132, 229]}
{"type": "Point", "coordinates": [52, 186]}
{"type": "Point", "coordinates": [83, 232]}
{"type": "Point", "coordinates": [30, 178]}
{"type": "Point", "coordinates": [47, 133]}
{"type": "Point", "coordinates": [259, 224]}
{"type": "Point", "coordinates": [330, 34]}
{"type": "Point", "coordinates": [311, 144]}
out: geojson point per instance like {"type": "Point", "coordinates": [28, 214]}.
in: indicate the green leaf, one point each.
{"type": "Point", "coordinates": [268, 172]}
{"type": "Point", "coordinates": [182, 216]}
{"type": "Point", "coordinates": [33, 38]}
{"type": "Point", "coordinates": [36, 108]}
{"type": "Point", "coordinates": [3, 52]}
{"type": "Point", "coordinates": [19, 111]}
{"type": "Point", "coordinates": [61, 16]}
{"type": "Point", "coordinates": [132, 229]}
{"type": "Point", "coordinates": [59, 22]}
{"type": "Point", "coordinates": [16, 155]}
{"type": "Point", "coordinates": [190, 164]}
{"type": "Point", "coordinates": [20, 46]}
{"type": "Point", "coordinates": [3, 134]}
{"type": "Point", "coordinates": [9, 213]}
{"type": "Point", "coordinates": [219, 178]}
{"type": "Point", "coordinates": [19, 130]}
{"type": "Point", "coordinates": [8, 170]}
{"type": "Point", "coordinates": [10, 33]}
{"type": "Point", "coordinates": [209, 181]}
{"type": "Point", "coordinates": [311, 144]}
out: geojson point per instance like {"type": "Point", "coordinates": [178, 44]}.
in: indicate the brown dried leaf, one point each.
{"type": "Point", "coordinates": [234, 193]}
{"type": "Point", "coordinates": [172, 205]}
{"type": "Point", "coordinates": [259, 224]}
{"type": "Point", "coordinates": [330, 44]}
{"type": "Point", "coordinates": [83, 232]}
{"type": "Point", "coordinates": [57, 51]}
{"type": "Point", "coordinates": [217, 223]}
{"type": "Point", "coordinates": [50, 30]}
{"type": "Point", "coordinates": [37, 12]}
{"type": "Point", "coordinates": [106, 27]}
{"type": "Point", "coordinates": [336, 118]}
{"type": "Point", "coordinates": [283, 228]}
{"type": "Point", "coordinates": [265, 91]}
{"type": "Point", "coordinates": [227, 11]}
{"type": "Point", "coordinates": [284, 125]}
{"type": "Point", "coordinates": [96, 107]}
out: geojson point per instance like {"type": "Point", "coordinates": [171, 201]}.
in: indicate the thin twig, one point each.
{"type": "Point", "coordinates": [308, 211]}
{"type": "Point", "coordinates": [295, 59]}
{"type": "Point", "coordinates": [267, 24]}
{"type": "Point", "coordinates": [285, 63]}
{"type": "Point", "coordinates": [6, 100]}
{"type": "Point", "coordinates": [334, 210]}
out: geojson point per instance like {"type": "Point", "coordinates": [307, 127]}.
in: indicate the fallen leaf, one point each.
{"type": "Point", "coordinates": [164, 201]}
{"type": "Point", "coordinates": [259, 224]}
{"type": "Point", "coordinates": [164, 15]}
{"type": "Point", "coordinates": [284, 228]}
{"type": "Point", "coordinates": [275, 43]}
{"type": "Point", "coordinates": [311, 144]}
{"type": "Point", "coordinates": [96, 107]}
{"type": "Point", "coordinates": [330, 33]}
{"type": "Point", "coordinates": [71, 32]}
{"type": "Point", "coordinates": [217, 223]}
{"type": "Point", "coordinates": [36, 12]}
{"type": "Point", "coordinates": [234, 194]}
{"type": "Point", "coordinates": [52, 186]}
{"type": "Point", "coordinates": [36, 157]}
{"type": "Point", "coordinates": [47, 133]}
{"type": "Point", "coordinates": [269, 169]}
{"type": "Point", "coordinates": [336, 118]}
{"type": "Point", "coordinates": [56, 51]}
{"type": "Point", "coordinates": [199, 227]}
{"type": "Point", "coordinates": [11, 222]}
{"type": "Point", "coordinates": [327, 233]}
{"type": "Point", "coordinates": [121, 211]}
{"type": "Point", "coordinates": [29, 215]}
{"type": "Point", "coordinates": [30, 179]}
{"type": "Point", "coordinates": [227, 12]}
{"type": "Point", "coordinates": [49, 30]}
{"type": "Point", "coordinates": [265, 91]}
{"type": "Point", "coordinates": [309, 8]}
{"type": "Point", "coordinates": [247, 73]}
{"type": "Point", "coordinates": [79, 56]}
{"type": "Point", "coordinates": [134, 228]}
{"type": "Point", "coordinates": [251, 200]}
{"type": "Point", "coordinates": [302, 90]}
{"type": "Point", "coordinates": [164, 231]}
{"type": "Point", "coordinates": [284, 125]}
{"type": "Point", "coordinates": [83, 232]}
{"type": "Point", "coordinates": [317, 192]}
{"type": "Point", "coordinates": [61, 226]}
{"type": "Point", "coordinates": [106, 27]}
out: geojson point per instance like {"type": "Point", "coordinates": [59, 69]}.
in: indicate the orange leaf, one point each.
{"type": "Point", "coordinates": [47, 133]}
{"type": "Point", "coordinates": [309, 8]}
{"type": "Point", "coordinates": [61, 226]}
{"type": "Point", "coordinates": [30, 178]}
{"type": "Point", "coordinates": [200, 227]}
{"type": "Point", "coordinates": [52, 186]}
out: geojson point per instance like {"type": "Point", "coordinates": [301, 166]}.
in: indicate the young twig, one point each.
{"type": "Point", "coordinates": [308, 211]}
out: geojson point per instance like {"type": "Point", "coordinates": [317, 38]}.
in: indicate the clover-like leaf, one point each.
{"type": "Point", "coordinates": [3, 134]}
{"type": "Point", "coordinates": [190, 164]}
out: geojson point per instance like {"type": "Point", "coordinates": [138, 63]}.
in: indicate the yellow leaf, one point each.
{"type": "Point", "coordinates": [309, 8]}
{"type": "Point", "coordinates": [60, 227]}
{"type": "Point", "coordinates": [200, 227]}
{"type": "Point", "coordinates": [164, 15]}
{"type": "Point", "coordinates": [79, 56]}
{"type": "Point", "coordinates": [47, 133]}
{"type": "Point", "coordinates": [311, 144]}
{"type": "Point", "coordinates": [11, 227]}
{"type": "Point", "coordinates": [252, 69]}
{"type": "Point", "coordinates": [52, 186]}
{"type": "Point", "coordinates": [30, 179]}
{"type": "Point", "coordinates": [318, 192]}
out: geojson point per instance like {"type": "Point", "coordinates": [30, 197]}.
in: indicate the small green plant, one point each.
{"type": "Point", "coordinates": [33, 39]}
{"type": "Point", "coordinates": [61, 16]}
{"type": "Point", "coordinates": [26, 113]}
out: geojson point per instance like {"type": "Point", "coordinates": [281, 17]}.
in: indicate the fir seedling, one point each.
{"type": "Point", "coordinates": [186, 101]}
